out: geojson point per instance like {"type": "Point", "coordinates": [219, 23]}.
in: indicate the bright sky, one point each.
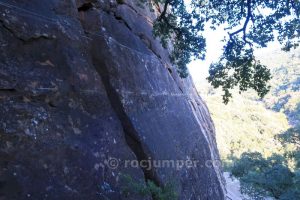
{"type": "Point", "coordinates": [198, 68]}
{"type": "Point", "coordinates": [214, 48]}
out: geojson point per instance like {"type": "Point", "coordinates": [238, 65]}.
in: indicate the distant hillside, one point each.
{"type": "Point", "coordinates": [250, 124]}
{"type": "Point", "coordinates": [285, 92]}
{"type": "Point", "coordinates": [245, 125]}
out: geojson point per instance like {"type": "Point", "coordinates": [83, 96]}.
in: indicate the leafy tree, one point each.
{"type": "Point", "coordinates": [292, 135]}
{"type": "Point", "coordinates": [252, 161]}
{"type": "Point", "coordinates": [272, 176]}
{"type": "Point", "coordinates": [277, 180]}
{"type": "Point", "coordinates": [260, 176]}
{"type": "Point", "coordinates": [250, 23]}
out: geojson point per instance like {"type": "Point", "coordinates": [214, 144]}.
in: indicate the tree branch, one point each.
{"type": "Point", "coordinates": [244, 28]}
{"type": "Point", "coordinates": [163, 17]}
{"type": "Point", "coordinates": [163, 13]}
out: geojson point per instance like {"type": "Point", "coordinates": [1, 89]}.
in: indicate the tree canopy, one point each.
{"type": "Point", "coordinates": [291, 136]}
{"type": "Point", "coordinates": [277, 176]}
{"type": "Point", "coordinates": [250, 24]}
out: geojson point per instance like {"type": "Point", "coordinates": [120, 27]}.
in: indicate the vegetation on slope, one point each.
{"type": "Point", "coordinates": [255, 140]}
{"type": "Point", "coordinates": [277, 176]}
{"type": "Point", "coordinates": [245, 125]}
{"type": "Point", "coordinates": [285, 94]}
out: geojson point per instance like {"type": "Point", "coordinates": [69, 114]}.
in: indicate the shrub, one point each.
{"type": "Point", "coordinates": [150, 189]}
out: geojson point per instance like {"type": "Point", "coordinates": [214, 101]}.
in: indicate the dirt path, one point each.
{"type": "Point", "coordinates": [233, 187]}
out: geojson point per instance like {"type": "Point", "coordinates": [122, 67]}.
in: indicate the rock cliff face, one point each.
{"type": "Point", "coordinates": [85, 88]}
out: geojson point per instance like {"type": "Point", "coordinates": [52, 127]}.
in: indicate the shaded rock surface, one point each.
{"type": "Point", "coordinates": [83, 83]}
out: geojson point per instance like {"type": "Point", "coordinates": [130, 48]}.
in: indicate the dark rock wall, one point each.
{"type": "Point", "coordinates": [85, 81]}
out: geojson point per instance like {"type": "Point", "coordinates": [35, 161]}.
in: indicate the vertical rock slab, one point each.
{"type": "Point", "coordinates": [157, 108]}
{"type": "Point", "coordinates": [57, 126]}
{"type": "Point", "coordinates": [84, 82]}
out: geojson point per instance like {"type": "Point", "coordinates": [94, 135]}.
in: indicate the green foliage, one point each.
{"type": "Point", "coordinates": [292, 135]}
{"type": "Point", "coordinates": [247, 27]}
{"type": "Point", "coordinates": [247, 124]}
{"type": "Point", "coordinates": [260, 176]}
{"type": "Point", "coordinates": [274, 176]}
{"type": "Point", "coordinates": [237, 67]}
{"type": "Point", "coordinates": [285, 91]}
{"type": "Point", "coordinates": [183, 28]}
{"type": "Point", "coordinates": [150, 189]}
